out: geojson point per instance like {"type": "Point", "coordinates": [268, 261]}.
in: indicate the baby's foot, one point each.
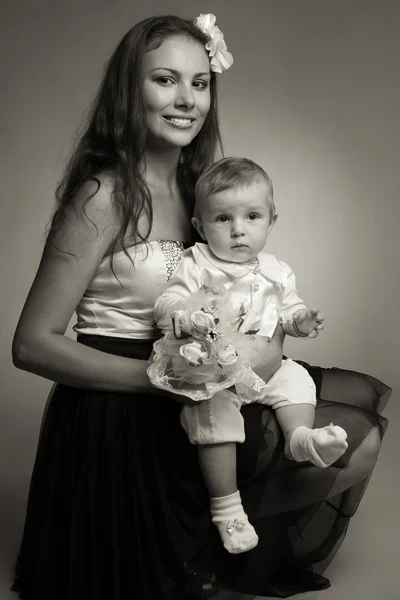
{"type": "Point", "coordinates": [237, 534]}
{"type": "Point", "coordinates": [321, 446]}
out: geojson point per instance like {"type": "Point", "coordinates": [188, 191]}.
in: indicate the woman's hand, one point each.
{"type": "Point", "coordinates": [271, 358]}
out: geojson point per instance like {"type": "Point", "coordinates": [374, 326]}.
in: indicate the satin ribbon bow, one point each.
{"type": "Point", "coordinates": [236, 524]}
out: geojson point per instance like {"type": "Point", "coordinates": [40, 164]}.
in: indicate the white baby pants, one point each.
{"type": "Point", "coordinates": [219, 420]}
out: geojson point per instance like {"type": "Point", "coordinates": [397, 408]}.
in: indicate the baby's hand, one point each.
{"type": "Point", "coordinates": [214, 288]}
{"type": "Point", "coordinates": [309, 321]}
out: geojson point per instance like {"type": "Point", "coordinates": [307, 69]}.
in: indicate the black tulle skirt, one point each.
{"type": "Point", "coordinates": [117, 508]}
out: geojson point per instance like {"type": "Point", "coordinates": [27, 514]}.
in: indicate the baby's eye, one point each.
{"type": "Point", "coordinates": [253, 216]}
{"type": "Point", "coordinates": [222, 219]}
{"type": "Point", "coordinates": [200, 85]}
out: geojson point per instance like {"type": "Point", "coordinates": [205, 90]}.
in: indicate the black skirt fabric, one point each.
{"type": "Point", "coordinates": [117, 507]}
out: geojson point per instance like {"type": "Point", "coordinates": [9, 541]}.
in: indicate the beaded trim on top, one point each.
{"type": "Point", "coordinates": [172, 251]}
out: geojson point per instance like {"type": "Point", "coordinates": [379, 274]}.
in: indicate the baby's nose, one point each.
{"type": "Point", "coordinates": [237, 228]}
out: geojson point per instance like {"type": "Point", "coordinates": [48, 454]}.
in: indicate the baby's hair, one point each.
{"type": "Point", "coordinates": [232, 172]}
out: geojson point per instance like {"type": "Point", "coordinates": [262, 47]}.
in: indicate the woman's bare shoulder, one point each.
{"type": "Point", "coordinates": [95, 193]}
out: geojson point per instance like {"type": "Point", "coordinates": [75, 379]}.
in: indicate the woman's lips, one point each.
{"type": "Point", "coordinates": [179, 122]}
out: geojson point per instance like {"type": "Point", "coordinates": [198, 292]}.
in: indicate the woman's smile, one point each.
{"type": "Point", "coordinates": [180, 122]}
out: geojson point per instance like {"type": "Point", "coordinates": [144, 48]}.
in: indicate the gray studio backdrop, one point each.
{"type": "Point", "coordinates": [313, 96]}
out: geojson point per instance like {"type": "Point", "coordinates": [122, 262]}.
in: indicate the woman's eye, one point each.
{"type": "Point", "coordinates": [164, 80]}
{"type": "Point", "coordinates": [200, 85]}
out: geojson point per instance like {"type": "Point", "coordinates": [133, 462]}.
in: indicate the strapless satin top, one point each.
{"type": "Point", "coordinates": [121, 305]}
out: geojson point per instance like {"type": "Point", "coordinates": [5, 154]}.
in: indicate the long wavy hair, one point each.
{"type": "Point", "coordinates": [114, 137]}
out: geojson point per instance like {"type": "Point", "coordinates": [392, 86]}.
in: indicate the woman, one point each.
{"type": "Point", "coordinates": [116, 505]}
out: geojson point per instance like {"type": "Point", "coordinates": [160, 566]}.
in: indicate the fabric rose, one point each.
{"type": "Point", "coordinates": [201, 321]}
{"type": "Point", "coordinates": [194, 353]}
{"type": "Point", "coordinates": [221, 59]}
{"type": "Point", "coordinates": [226, 356]}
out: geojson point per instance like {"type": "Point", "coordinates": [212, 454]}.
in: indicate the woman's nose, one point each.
{"type": "Point", "coordinates": [185, 98]}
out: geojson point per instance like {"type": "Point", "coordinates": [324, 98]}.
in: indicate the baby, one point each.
{"type": "Point", "coordinates": [234, 214]}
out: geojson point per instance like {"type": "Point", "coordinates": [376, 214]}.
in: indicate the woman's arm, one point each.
{"type": "Point", "coordinates": [69, 261]}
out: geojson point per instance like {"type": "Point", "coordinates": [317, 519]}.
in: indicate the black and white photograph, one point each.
{"type": "Point", "coordinates": [200, 338]}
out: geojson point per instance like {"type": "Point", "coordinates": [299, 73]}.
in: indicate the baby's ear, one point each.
{"type": "Point", "coordinates": [199, 227]}
{"type": "Point", "coordinates": [273, 221]}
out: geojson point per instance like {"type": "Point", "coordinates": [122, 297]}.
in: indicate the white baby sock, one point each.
{"type": "Point", "coordinates": [237, 534]}
{"type": "Point", "coordinates": [321, 446]}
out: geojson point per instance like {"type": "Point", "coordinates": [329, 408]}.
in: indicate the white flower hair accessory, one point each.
{"type": "Point", "coordinates": [221, 59]}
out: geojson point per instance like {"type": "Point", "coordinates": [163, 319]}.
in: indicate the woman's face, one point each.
{"type": "Point", "coordinates": [176, 92]}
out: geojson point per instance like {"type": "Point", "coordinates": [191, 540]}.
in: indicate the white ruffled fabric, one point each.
{"type": "Point", "coordinates": [198, 357]}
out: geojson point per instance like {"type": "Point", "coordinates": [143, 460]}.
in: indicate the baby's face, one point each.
{"type": "Point", "coordinates": [236, 222]}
